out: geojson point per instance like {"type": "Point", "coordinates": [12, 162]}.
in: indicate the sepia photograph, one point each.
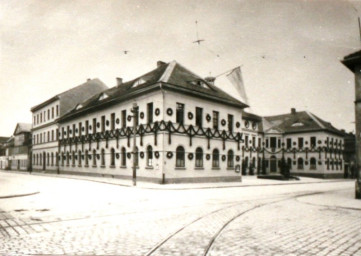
{"type": "Point", "coordinates": [180, 127]}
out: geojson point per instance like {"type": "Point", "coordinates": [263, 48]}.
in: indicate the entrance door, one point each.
{"type": "Point", "coordinates": [44, 160]}
{"type": "Point", "coordinates": [273, 164]}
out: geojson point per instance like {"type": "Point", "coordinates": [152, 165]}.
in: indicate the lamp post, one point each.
{"type": "Point", "coordinates": [135, 123]}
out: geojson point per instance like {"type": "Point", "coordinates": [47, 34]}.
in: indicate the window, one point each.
{"type": "Point", "coordinates": [124, 118]}
{"type": "Point", "coordinates": [41, 117]}
{"type": "Point", "coordinates": [41, 138]}
{"type": "Point", "coordinates": [136, 157]}
{"type": "Point", "coordinates": [37, 119]}
{"type": "Point", "coordinates": [289, 143]}
{"type": "Point", "coordinates": [34, 120]}
{"type": "Point", "coordinates": [67, 158]}
{"type": "Point", "coordinates": [63, 132]}
{"type": "Point", "coordinates": [73, 158]}
{"type": "Point", "coordinates": [259, 142]}
{"type": "Point", "coordinates": [112, 157]}
{"type": "Point", "coordinates": [103, 124]}
{"type": "Point", "coordinates": [313, 163]}
{"type": "Point", "coordinates": [230, 123]}
{"type": "Point", "coordinates": [215, 120]}
{"type": "Point", "coordinates": [57, 110]}
{"type": "Point", "coordinates": [112, 121]}
{"type": "Point", "coordinates": [86, 158]}
{"type": "Point", "coordinates": [180, 155]}
{"type": "Point", "coordinates": [199, 116]}
{"type": "Point", "coordinates": [48, 159]}
{"type": "Point", "coordinates": [149, 156]}
{"type": "Point", "coordinates": [52, 112]}
{"type": "Point", "coordinates": [86, 127]}
{"type": "Point", "coordinates": [150, 113]}
{"type": "Point", "coordinates": [62, 158]}
{"type": "Point", "coordinates": [136, 116]}
{"type": "Point", "coordinates": [246, 141]}
{"type": "Point", "coordinates": [199, 157]}
{"type": "Point", "coordinates": [79, 128]}
{"type": "Point", "coordinates": [273, 142]}
{"type": "Point", "coordinates": [52, 135]}
{"type": "Point", "coordinates": [230, 156]}
{"type": "Point", "coordinates": [254, 142]}
{"type": "Point", "coordinates": [79, 158]}
{"type": "Point", "coordinates": [215, 158]}
{"type": "Point", "coordinates": [57, 133]}
{"type": "Point", "coordinates": [48, 114]}
{"type": "Point", "coordinates": [300, 142]}
{"type": "Point", "coordinates": [279, 143]}
{"type": "Point", "coordinates": [102, 157]}
{"type": "Point", "coordinates": [94, 157]}
{"type": "Point", "coordinates": [124, 157]}
{"type": "Point", "coordinates": [57, 159]}
{"type": "Point", "coordinates": [94, 125]}
{"type": "Point", "coordinates": [300, 163]}
{"type": "Point", "coordinates": [73, 130]}
{"type": "Point", "coordinates": [180, 113]}
{"type": "Point", "coordinates": [44, 115]}
{"type": "Point", "coordinates": [267, 143]}
{"type": "Point", "coordinates": [289, 163]}
{"type": "Point", "coordinates": [313, 142]}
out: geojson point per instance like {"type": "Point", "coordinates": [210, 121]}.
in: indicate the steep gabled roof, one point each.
{"type": "Point", "coordinates": [296, 122]}
{"type": "Point", "coordinates": [4, 139]}
{"type": "Point", "coordinates": [22, 127]}
{"type": "Point", "coordinates": [167, 76]}
{"type": "Point", "coordinates": [70, 98]}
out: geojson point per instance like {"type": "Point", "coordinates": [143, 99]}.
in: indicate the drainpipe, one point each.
{"type": "Point", "coordinates": [163, 153]}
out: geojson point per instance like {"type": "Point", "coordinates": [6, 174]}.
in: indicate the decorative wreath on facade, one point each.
{"type": "Point", "coordinates": [141, 115]}
{"type": "Point", "coordinates": [238, 158]}
{"type": "Point", "coordinates": [306, 142]}
{"type": "Point", "coordinates": [319, 162]}
{"type": "Point", "coordinates": [238, 124]}
{"type": "Point", "coordinates": [98, 124]}
{"type": "Point", "coordinates": [246, 124]}
{"type": "Point", "coordinates": [157, 111]}
{"type": "Point", "coordinates": [223, 158]}
{"type": "Point", "coordinates": [117, 155]}
{"type": "Point", "coordinates": [90, 127]}
{"type": "Point", "coordinates": [129, 155]}
{"type": "Point", "coordinates": [107, 122]}
{"type": "Point", "coordinates": [208, 156]}
{"type": "Point", "coordinates": [156, 154]}
{"type": "Point", "coordinates": [208, 117]}
{"type": "Point", "coordinates": [70, 132]}
{"type": "Point", "coordinates": [223, 122]}
{"type": "Point", "coordinates": [169, 154]}
{"type": "Point", "coordinates": [117, 121]}
{"type": "Point", "coordinates": [169, 111]}
{"type": "Point", "coordinates": [190, 115]}
{"type": "Point", "coordinates": [141, 154]}
{"type": "Point", "coordinates": [83, 128]}
{"type": "Point", "coordinates": [129, 118]}
{"type": "Point", "coordinates": [294, 143]}
{"type": "Point", "coordinates": [190, 156]}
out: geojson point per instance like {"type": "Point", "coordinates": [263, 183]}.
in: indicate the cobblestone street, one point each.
{"type": "Point", "coordinates": [270, 220]}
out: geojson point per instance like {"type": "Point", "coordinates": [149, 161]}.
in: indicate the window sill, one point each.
{"type": "Point", "coordinates": [94, 166]}
{"type": "Point", "coordinates": [216, 168]}
{"type": "Point", "coordinates": [102, 166]}
{"type": "Point", "coordinates": [149, 168]}
{"type": "Point", "coordinates": [86, 165]}
{"type": "Point", "coordinates": [180, 168]}
{"type": "Point", "coordinates": [112, 166]}
{"type": "Point", "coordinates": [199, 168]}
{"type": "Point", "coordinates": [73, 165]}
{"type": "Point", "coordinates": [123, 166]}
{"type": "Point", "coordinates": [79, 165]}
{"type": "Point", "coordinates": [230, 168]}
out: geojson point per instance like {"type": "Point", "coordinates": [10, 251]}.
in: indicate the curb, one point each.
{"type": "Point", "coordinates": [19, 195]}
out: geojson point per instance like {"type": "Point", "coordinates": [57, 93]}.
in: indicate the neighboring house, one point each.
{"type": "Point", "coordinates": [45, 122]}
{"type": "Point", "coordinates": [349, 155]}
{"type": "Point", "coordinates": [309, 145]}
{"type": "Point", "coordinates": [17, 149]}
{"type": "Point", "coordinates": [3, 157]}
{"type": "Point", "coordinates": [187, 130]}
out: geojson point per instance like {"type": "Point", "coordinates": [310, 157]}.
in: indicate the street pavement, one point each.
{"type": "Point", "coordinates": [80, 217]}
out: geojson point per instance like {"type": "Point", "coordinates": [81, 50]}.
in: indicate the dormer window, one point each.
{"type": "Point", "coordinates": [138, 82]}
{"type": "Point", "coordinates": [103, 96]}
{"type": "Point", "coordinates": [297, 124]}
{"type": "Point", "coordinates": [199, 83]}
{"type": "Point", "coordinates": [79, 106]}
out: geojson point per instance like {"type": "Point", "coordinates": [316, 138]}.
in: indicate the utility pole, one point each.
{"type": "Point", "coordinates": [135, 123]}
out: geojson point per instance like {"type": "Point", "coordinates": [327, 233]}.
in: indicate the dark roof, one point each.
{"type": "Point", "coordinates": [167, 76]}
{"type": "Point", "coordinates": [70, 98]}
{"type": "Point", "coordinates": [251, 116]}
{"type": "Point", "coordinates": [22, 127]}
{"type": "Point", "coordinates": [4, 139]}
{"type": "Point", "coordinates": [302, 121]}
{"type": "Point", "coordinates": [352, 60]}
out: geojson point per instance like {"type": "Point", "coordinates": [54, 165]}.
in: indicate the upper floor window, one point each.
{"type": "Point", "coordinates": [289, 143]}
{"type": "Point", "coordinates": [180, 113]}
{"type": "Point", "coordinates": [215, 120]}
{"type": "Point", "coordinates": [57, 110]}
{"type": "Point", "coordinates": [246, 141]}
{"type": "Point", "coordinates": [300, 142]}
{"type": "Point", "coordinates": [112, 121]}
{"type": "Point", "coordinates": [52, 112]}
{"type": "Point", "coordinates": [313, 142]}
{"type": "Point", "coordinates": [230, 123]}
{"type": "Point", "coordinates": [124, 118]}
{"type": "Point", "coordinates": [103, 124]}
{"type": "Point", "coordinates": [79, 128]}
{"type": "Point", "coordinates": [150, 113]}
{"type": "Point", "coordinates": [48, 114]}
{"type": "Point", "coordinates": [273, 142]}
{"type": "Point", "coordinates": [86, 127]}
{"type": "Point", "coordinates": [300, 163]}
{"type": "Point", "coordinates": [199, 116]}
{"type": "Point", "coordinates": [34, 120]}
{"type": "Point", "coordinates": [94, 125]}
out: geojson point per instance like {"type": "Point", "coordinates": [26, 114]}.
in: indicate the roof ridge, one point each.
{"type": "Point", "coordinates": [315, 119]}
{"type": "Point", "coordinates": [167, 73]}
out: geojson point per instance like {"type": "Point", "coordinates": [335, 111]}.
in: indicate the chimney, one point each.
{"type": "Point", "coordinates": [293, 111]}
{"type": "Point", "coordinates": [119, 81]}
{"type": "Point", "coordinates": [210, 80]}
{"type": "Point", "coordinates": [88, 80]}
{"type": "Point", "coordinates": [160, 63]}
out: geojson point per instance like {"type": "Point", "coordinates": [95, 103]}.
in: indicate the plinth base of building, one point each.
{"type": "Point", "coordinates": [319, 175]}
{"type": "Point", "coordinates": [358, 189]}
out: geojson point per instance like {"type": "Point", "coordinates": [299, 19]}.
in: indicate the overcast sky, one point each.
{"type": "Point", "coordinates": [289, 50]}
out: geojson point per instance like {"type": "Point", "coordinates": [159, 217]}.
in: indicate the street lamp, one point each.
{"type": "Point", "coordinates": [135, 123]}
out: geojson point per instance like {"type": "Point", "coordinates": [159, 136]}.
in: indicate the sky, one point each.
{"type": "Point", "coordinates": [289, 50]}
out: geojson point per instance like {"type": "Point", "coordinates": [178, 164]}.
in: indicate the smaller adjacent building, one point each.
{"type": "Point", "coordinates": [3, 143]}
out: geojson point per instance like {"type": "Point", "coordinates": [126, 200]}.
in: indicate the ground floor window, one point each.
{"type": "Point", "coordinates": [199, 157]}
{"type": "Point", "coordinates": [300, 163]}
{"type": "Point", "coordinates": [230, 160]}
{"type": "Point", "coordinates": [149, 156]}
{"type": "Point", "coordinates": [180, 156]}
{"type": "Point", "coordinates": [313, 163]}
{"type": "Point", "coordinates": [215, 158]}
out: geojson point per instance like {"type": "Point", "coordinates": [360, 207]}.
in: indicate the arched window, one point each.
{"type": "Point", "coordinates": [52, 159]}
{"type": "Point", "coordinates": [124, 157]}
{"type": "Point", "coordinates": [102, 156]}
{"type": "Point", "coordinates": [73, 158]}
{"type": "Point", "coordinates": [48, 159]}
{"type": "Point", "coordinates": [289, 163]}
{"type": "Point", "coordinates": [230, 161]}
{"type": "Point", "coordinates": [57, 159]}
{"type": "Point", "coordinates": [112, 157]}
{"type": "Point", "coordinates": [199, 157]}
{"type": "Point", "coordinates": [79, 158]}
{"type": "Point", "coordinates": [37, 159]}
{"type": "Point", "coordinates": [94, 157]}
{"type": "Point", "coordinates": [215, 158]}
{"type": "Point", "coordinates": [180, 155]}
{"type": "Point", "coordinates": [313, 163]}
{"type": "Point", "coordinates": [300, 163]}
{"type": "Point", "coordinates": [86, 158]}
{"type": "Point", "coordinates": [149, 156]}
{"type": "Point", "coordinates": [67, 158]}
